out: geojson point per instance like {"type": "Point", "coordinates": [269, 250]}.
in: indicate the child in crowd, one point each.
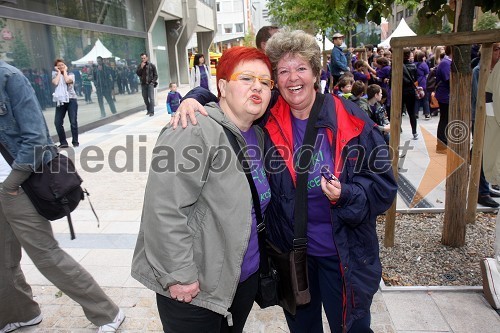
{"type": "Point", "coordinates": [359, 97]}
{"type": "Point", "coordinates": [173, 99]}
{"type": "Point", "coordinates": [345, 87]}
{"type": "Point", "coordinates": [378, 113]}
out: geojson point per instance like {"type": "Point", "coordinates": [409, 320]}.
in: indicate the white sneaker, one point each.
{"type": "Point", "coordinates": [14, 326]}
{"type": "Point", "coordinates": [491, 281]}
{"type": "Point", "coordinates": [113, 326]}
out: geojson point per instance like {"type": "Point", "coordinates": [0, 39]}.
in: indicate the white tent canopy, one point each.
{"type": "Point", "coordinates": [328, 44]}
{"type": "Point", "coordinates": [98, 50]}
{"type": "Point", "coordinates": [402, 30]}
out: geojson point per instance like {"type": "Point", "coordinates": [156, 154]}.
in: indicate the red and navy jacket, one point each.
{"type": "Point", "coordinates": [363, 166]}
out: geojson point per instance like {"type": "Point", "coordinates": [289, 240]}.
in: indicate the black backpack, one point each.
{"type": "Point", "coordinates": [54, 188]}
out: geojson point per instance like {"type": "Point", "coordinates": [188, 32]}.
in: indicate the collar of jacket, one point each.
{"type": "Point", "coordinates": [344, 124]}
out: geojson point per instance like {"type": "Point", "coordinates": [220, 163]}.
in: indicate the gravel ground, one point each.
{"type": "Point", "coordinates": [419, 259]}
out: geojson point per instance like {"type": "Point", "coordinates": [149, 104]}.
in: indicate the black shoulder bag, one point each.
{"type": "Point", "coordinates": [291, 266]}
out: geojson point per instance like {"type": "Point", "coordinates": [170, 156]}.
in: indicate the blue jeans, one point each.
{"type": "Point", "coordinates": [148, 94]}
{"type": "Point", "coordinates": [325, 286]}
{"type": "Point", "coordinates": [72, 109]}
{"type": "Point", "coordinates": [424, 103]}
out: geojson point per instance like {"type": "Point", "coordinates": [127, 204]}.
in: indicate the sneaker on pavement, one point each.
{"type": "Point", "coordinates": [113, 326]}
{"type": "Point", "coordinates": [14, 326]}
{"type": "Point", "coordinates": [491, 281]}
{"type": "Point", "coordinates": [415, 136]}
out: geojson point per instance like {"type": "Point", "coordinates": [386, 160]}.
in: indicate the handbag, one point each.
{"type": "Point", "coordinates": [54, 188]}
{"type": "Point", "coordinates": [419, 91]}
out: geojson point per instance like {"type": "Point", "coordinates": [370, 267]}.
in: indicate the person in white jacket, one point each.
{"type": "Point", "coordinates": [490, 267]}
{"type": "Point", "coordinates": [200, 73]}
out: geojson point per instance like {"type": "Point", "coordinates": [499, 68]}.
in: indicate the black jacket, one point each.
{"type": "Point", "coordinates": [151, 73]}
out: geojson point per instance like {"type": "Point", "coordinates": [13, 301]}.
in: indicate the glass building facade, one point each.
{"type": "Point", "coordinates": [33, 33]}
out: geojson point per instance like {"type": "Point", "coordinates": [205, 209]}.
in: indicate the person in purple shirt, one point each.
{"type": "Point", "coordinates": [173, 98]}
{"type": "Point", "coordinates": [200, 73]}
{"type": "Point", "coordinates": [422, 73]}
{"type": "Point", "coordinates": [443, 96]}
{"type": "Point", "coordinates": [383, 79]}
{"type": "Point", "coordinates": [198, 245]}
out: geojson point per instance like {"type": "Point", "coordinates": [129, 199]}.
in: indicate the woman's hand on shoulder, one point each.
{"type": "Point", "coordinates": [187, 108]}
{"type": "Point", "coordinates": [184, 292]}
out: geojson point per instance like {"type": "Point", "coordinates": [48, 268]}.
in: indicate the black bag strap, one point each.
{"type": "Point", "coordinates": [264, 263]}
{"type": "Point", "coordinates": [302, 171]}
{"type": "Point", "coordinates": [6, 154]}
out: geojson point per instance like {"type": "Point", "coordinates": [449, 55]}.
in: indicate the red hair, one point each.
{"type": "Point", "coordinates": [234, 56]}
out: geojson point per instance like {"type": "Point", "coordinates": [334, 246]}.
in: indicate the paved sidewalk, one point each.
{"type": "Point", "coordinates": [117, 191]}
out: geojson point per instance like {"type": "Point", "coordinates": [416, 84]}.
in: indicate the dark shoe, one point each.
{"type": "Point", "coordinates": [76, 145]}
{"type": "Point", "coordinates": [487, 201]}
{"type": "Point", "coordinates": [427, 116]}
{"type": "Point", "coordinates": [494, 194]}
{"type": "Point", "coordinates": [63, 146]}
{"type": "Point", "coordinates": [151, 114]}
{"type": "Point", "coordinates": [434, 114]}
{"type": "Point", "coordinates": [495, 187]}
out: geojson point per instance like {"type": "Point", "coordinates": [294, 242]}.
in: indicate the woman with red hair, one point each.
{"type": "Point", "coordinates": [197, 247]}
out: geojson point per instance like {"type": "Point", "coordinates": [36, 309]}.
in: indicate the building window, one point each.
{"type": "Point", "coordinates": [399, 16]}
{"type": "Point", "coordinates": [265, 13]}
{"type": "Point", "coordinates": [408, 12]}
{"type": "Point", "coordinates": [239, 27]}
{"type": "Point", "coordinates": [218, 6]}
{"type": "Point", "coordinates": [228, 28]}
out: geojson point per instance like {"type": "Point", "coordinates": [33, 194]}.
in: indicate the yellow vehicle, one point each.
{"type": "Point", "coordinates": [214, 60]}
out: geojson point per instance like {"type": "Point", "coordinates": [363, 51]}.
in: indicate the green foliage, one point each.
{"type": "Point", "coordinates": [249, 39]}
{"type": "Point", "coordinates": [486, 22]}
{"type": "Point", "coordinates": [22, 54]}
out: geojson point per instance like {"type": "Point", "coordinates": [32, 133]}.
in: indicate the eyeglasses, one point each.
{"type": "Point", "coordinates": [248, 79]}
{"type": "Point", "coordinates": [496, 49]}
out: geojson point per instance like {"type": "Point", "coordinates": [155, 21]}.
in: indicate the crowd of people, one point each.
{"type": "Point", "coordinates": [198, 247]}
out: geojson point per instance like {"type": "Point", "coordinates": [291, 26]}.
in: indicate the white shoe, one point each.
{"type": "Point", "coordinates": [14, 326]}
{"type": "Point", "coordinates": [113, 326]}
{"type": "Point", "coordinates": [491, 281]}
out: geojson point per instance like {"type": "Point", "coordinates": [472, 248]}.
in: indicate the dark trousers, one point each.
{"type": "Point", "coordinates": [148, 94]}
{"type": "Point", "coordinates": [72, 109]}
{"type": "Point", "coordinates": [325, 286]}
{"type": "Point", "coordinates": [409, 102]}
{"type": "Point", "coordinates": [87, 90]}
{"type": "Point", "coordinates": [109, 99]}
{"type": "Point", "coordinates": [179, 317]}
{"type": "Point", "coordinates": [443, 122]}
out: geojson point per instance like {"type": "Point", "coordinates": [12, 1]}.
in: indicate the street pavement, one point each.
{"type": "Point", "coordinates": [115, 178]}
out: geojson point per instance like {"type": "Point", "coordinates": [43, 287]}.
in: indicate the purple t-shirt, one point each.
{"type": "Point", "coordinates": [359, 76]}
{"type": "Point", "coordinates": [251, 259]}
{"type": "Point", "coordinates": [319, 225]}
{"type": "Point", "coordinates": [203, 77]}
{"type": "Point", "coordinates": [443, 80]}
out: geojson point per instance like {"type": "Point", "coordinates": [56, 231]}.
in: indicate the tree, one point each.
{"type": "Point", "coordinates": [22, 54]}
{"type": "Point", "coordinates": [249, 39]}
{"type": "Point", "coordinates": [486, 21]}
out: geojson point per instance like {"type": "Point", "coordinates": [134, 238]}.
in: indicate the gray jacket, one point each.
{"type": "Point", "coordinates": [196, 217]}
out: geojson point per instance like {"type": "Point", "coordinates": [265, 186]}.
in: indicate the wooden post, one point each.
{"type": "Point", "coordinates": [457, 133]}
{"type": "Point", "coordinates": [396, 98]}
{"type": "Point", "coordinates": [479, 124]}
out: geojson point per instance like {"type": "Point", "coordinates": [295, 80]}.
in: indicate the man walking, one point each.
{"type": "Point", "coordinates": [338, 60]}
{"type": "Point", "coordinates": [104, 84]}
{"type": "Point", "coordinates": [149, 80]}
{"type": "Point", "coordinates": [25, 137]}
